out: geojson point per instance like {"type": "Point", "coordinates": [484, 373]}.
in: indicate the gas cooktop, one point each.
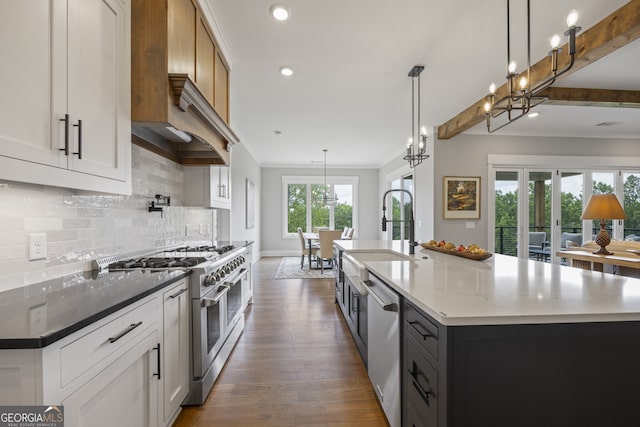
{"type": "Point", "coordinates": [181, 257]}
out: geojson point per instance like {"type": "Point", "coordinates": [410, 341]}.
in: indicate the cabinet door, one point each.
{"type": "Point", "coordinates": [207, 186]}
{"type": "Point", "coordinates": [175, 350]}
{"type": "Point", "coordinates": [99, 87]}
{"type": "Point", "coordinates": [125, 394]}
{"type": "Point", "coordinates": [221, 104]}
{"type": "Point", "coordinates": [32, 50]}
{"type": "Point", "coordinates": [362, 319]}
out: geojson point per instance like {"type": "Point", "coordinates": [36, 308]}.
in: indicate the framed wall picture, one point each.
{"type": "Point", "coordinates": [461, 196]}
{"type": "Point", "coordinates": [250, 204]}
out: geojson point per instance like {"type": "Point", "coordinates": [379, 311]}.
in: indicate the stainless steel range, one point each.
{"type": "Point", "coordinates": [220, 288]}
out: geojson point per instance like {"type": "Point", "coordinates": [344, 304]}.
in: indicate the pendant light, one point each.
{"type": "Point", "coordinates": [326, 198]}
{"type": "Point", "coordinates": [417, 145]}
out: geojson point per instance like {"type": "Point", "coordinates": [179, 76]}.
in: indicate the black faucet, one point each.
{"type": "Point", "coordinates": [412, 225]}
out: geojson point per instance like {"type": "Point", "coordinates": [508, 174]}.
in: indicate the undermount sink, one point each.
{"type": "Point", "coordinates": [380, 255]}
{"type": "Point", "coordinates": [356, 272]}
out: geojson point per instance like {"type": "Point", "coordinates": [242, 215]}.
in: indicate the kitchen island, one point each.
{"type": "Point", "coordinates": [512, 342]}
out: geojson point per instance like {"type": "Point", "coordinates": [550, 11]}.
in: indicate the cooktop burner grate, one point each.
{"type": "Point", "coordinates": [156, 262]}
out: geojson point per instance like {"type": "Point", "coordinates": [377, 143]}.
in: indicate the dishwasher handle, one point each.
{"type": "Point", "coordinates": [386, 306]}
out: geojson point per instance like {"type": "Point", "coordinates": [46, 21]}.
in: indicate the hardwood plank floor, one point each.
{"type": "Point", "coordinates": [295, 364]}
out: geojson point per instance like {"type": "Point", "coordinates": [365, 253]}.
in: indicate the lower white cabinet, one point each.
{"type": "Point", "coordinates": [124, 394]}
{"type": "Point", "coordinates": [129, 369]}
{"type": "Point", "coordinates": [175, 350]}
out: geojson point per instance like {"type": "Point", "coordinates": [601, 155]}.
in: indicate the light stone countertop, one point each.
{"type": "Point", "coordinates": [502, 289]}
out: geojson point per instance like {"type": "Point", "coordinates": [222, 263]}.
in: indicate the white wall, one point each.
{"type": "Point", "coordinates": [273, 244]}
{"type": "Point", "coordinates": [466, 155]}
{"type": "Point", "coordinates": [245, 167]}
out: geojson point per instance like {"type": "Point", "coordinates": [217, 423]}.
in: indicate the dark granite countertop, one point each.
{"type": "Point", "coordinates": [37, 315]}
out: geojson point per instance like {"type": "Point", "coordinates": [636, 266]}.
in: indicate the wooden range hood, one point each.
{"type": "Point", "coordinates": [179, 84]}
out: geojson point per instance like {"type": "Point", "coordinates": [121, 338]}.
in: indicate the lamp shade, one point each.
{"type": "Point", "coordinates": [603, 206]}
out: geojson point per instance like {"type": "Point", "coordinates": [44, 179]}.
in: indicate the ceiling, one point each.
{"type": "Point", "coordinates": [350, 92]}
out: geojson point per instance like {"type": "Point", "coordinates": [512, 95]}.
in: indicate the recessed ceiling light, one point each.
{"type": "Point", "coordinates": [286, 71]}
{"type": "Point", "coordinates": [279, 12]}
{"type": "Point", "coordinates": [533, 115]}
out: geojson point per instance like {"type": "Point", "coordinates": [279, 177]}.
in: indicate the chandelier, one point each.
{"type": "Point", "coordinates": [521, 97]}
{"type": "Point", "coordinates": [326, 199]}
{"type": "Point", "coordinates": [417, 145]}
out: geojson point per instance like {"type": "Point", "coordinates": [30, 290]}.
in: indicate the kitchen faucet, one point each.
{"type": "Point", "coordinates": [412, 232]}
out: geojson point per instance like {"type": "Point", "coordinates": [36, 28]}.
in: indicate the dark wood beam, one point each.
{"type": "Point", "coordinates": [610, 34]}
{"type": "Point", "coordinates": [592, 97]}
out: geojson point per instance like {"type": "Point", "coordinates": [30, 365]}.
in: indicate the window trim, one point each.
{"type": "Point", "coordinates": [317, 179]}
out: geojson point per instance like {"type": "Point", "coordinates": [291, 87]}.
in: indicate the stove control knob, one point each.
{"type": "Point", "coordinates": [210, 280]}
{"type": "Point", "coordinates": [219, 274]}
{"type": "Point", "coordinates": [228, 269]}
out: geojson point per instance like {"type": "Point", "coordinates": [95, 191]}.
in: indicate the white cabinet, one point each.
{"type": "Point", "coordinates": [128, 369]}
{"type": "Point", "coordinates": [176, 345]}
{"type": "Point", "coordinates": [124, 394]}
{"type": "Point", "coordinates": [66, 86]}
{"type": "Point", "coordinates": [207, 186]}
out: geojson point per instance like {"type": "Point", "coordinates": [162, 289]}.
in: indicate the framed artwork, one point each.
{"type": "Point", "coordinates": [251, 204]}
{"type": "Point", "coordinates": [461, 196]}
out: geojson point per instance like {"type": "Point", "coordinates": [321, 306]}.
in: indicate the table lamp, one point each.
{"type": "Point", "coordinates": [603, 207]}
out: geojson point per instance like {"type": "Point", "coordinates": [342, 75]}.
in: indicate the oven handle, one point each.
{"type": "Point", "coordinates": [208, 302]}
{"type": "Point", "coordinates": [236, 279]}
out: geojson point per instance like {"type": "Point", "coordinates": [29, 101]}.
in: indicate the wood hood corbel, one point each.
{"type": "Point", "coordinates": [170, 114]}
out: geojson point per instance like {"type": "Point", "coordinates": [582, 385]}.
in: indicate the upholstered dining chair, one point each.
{"type": "Point", "coordinates": [326, 246]}
{"type": "Point", "coordinates": [305, 249]}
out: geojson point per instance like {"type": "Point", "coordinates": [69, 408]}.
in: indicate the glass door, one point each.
{"type": "Point", "coordinates": [539, 215]}
{"type": "Point", "coordinates": [506, 212]}
{"type": "Point", "coordinates": [571, 206]}
{"type": "Point", "coordinates": [399, 210]}
{"type": "Point", "coordinates": [631, 198]}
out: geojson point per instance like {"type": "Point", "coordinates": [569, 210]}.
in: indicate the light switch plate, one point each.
{"type": "Point", "coordinates": [471, 224]}
{"type": "Point", "coordinates": [37, 246]}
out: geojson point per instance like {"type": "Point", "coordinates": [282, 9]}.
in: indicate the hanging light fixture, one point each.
{"type": "Point", "coordinates": [417, 145]}
{"type": "Point", "coordinates": [326, 199]}
{"type": "Point", "coordinates": [521, 97]}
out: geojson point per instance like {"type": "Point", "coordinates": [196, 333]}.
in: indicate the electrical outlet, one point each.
{"type": "Point", "coordinates": [38, 319]}
{"type": "Point", "coordinates": [201, 228]}
{"type": "Point", "coordinates": [37, 246]}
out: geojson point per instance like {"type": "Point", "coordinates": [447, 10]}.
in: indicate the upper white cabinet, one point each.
{"type": "Point", "coordinates": [207, 186]}
{"type": "Point", "coordinates": [66, 85]}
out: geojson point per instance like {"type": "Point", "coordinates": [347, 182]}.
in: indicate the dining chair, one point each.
{"type": "Point", "coordinates": [326, 246]}
{"type": "Point", "coordinates": [345, 233]}
{"type": "Point", "coordinates": [305, 249]}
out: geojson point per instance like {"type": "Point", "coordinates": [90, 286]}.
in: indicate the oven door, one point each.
{"type": "Point", "coordinates": [209, 328]}
{"type": "Point", "coordinates": [234, 296]}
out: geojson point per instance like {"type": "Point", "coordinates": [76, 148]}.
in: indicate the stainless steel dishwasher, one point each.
{"type": "Point", "coordinates": [383, 312]}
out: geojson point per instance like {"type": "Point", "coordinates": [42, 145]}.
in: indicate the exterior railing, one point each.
{"type": "Point", "coordinates": [506, 238]}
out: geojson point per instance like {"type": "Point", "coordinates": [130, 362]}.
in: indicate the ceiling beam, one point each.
{"type": "Point", "coordinates": [610, 34]}
{"type": "Point", "coordinates": [591, 97]}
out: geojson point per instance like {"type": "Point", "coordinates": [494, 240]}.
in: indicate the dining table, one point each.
{"type": "Point", "coordinates": [310, 238]}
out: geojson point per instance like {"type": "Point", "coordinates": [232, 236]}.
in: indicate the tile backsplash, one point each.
{"type": "Point", "coordinates": [81, 226]}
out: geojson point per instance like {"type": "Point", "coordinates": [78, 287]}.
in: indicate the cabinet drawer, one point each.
{"type": "Point", "coordinates": [421, 387]}
{"type": "Point", "coordinates": [421, 329]}
{"type": "Point", "coordinates": [88, 350]}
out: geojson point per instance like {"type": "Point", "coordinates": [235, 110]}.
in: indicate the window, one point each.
{"type": "Point", "coordinates": [304, 207]}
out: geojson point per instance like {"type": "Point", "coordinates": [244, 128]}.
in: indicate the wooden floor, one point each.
{"type": "Point", "coordinates": [294, 365]}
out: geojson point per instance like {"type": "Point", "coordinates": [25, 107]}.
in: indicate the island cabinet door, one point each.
{"type": "Point", "coordinates": [420, 394]}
